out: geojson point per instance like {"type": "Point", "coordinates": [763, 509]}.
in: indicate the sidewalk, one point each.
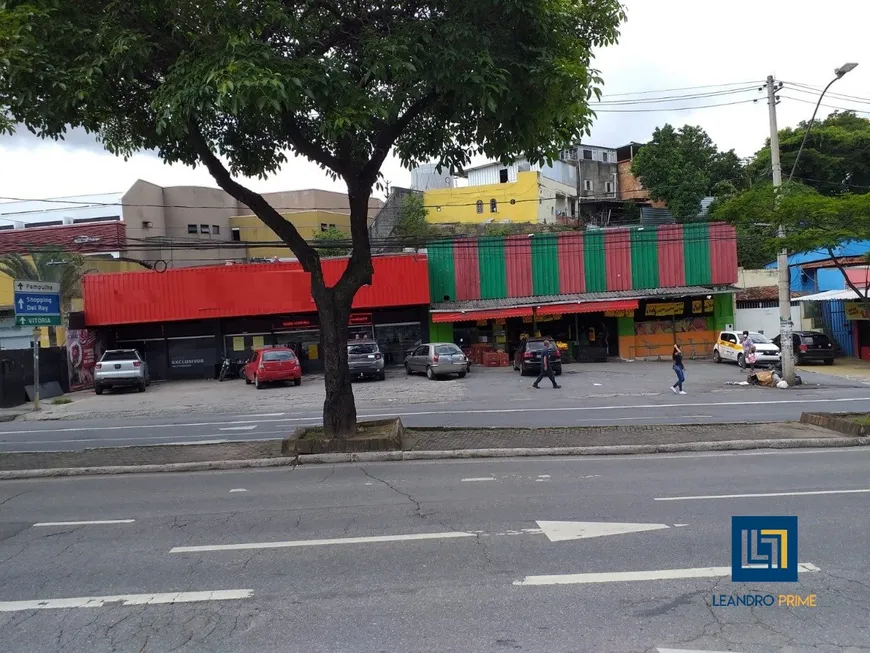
{"type": "Point", "coordinates": [853, 369]}
{"type": "Point", "coordinates": [591, 436]}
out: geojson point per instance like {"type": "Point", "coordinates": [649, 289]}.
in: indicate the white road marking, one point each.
{"type": "Point", "coordinates": [315, 419]}
{"type": "Point", "coordinates": [238, 489]}
{"type": "Point", "coordinates": [632, 576]}
{"type": "Point", "coordinates": [686, 650]}
{"type": "Point", "coordinates": [559, 531]}
{"type": "Point", "coordinates": [341, 540]}
{"type": "Point", "coordinates": [126, 599]}
{"type": "Point", "coordinates": [96, 522]}
{"type": "Point", "coordinates": [762, 494]}
{"type": "Point", "coordinates": [239, 428]}
{"type": "Point", "coordinates": [478, 479]}
{"type": "Point", "coordinates": [138, 439]}
{"type": "Point", "coordinates": [543, 476]}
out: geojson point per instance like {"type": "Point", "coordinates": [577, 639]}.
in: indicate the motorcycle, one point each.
{"type": "Point", "coordinates": [230, 369]}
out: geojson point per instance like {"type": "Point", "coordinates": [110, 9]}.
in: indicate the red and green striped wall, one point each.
{"type": "Point", "coordinates": [694, 254]}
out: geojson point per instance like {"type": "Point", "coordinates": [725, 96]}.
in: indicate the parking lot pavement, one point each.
{"type": "Point", "coordinates": [491, 386]}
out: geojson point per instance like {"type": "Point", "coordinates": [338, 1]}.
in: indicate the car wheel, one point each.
{"type": "Point", "coordinates": [740, 360]}
{"type": "Point", "coordinates": [257, 383]}
{"type": "Point", "coordinates": [382, 375]}
{"type": "Point", "coordinates": [247, 380]}
{"type": "Point", "coordinates": [829, 361]}
{"type": "Point", "coordinates": [462, 375]}
{"type": "Point", "coordinates": [430, 374]}
{"type": "Point", "coordinates": [98, 389]}
{"type": "Point", "coordinates": [408, 369]}
{"type": "Point", "coordinates": [147, 381]}
{"type": "Point", "coordinates": [297, 382]}
{"type": "Point", "coordinates": [142, 387]}
{"type": "Point", "coordinates": [717, 358]}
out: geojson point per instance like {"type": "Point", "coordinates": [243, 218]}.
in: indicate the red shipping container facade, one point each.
{"type": "Point", "coordinates": [617, 256]}
{"type": "Point", "coordinates": [723, 254]}
{"type": "Point", "coordinates": [467, 269]}
{"type": "Point", "coordinates": [241, 290]}
{"type": "Point", "coordinates": [672, 267]}
{"type": "Point", "coordinates": [518, 266]}
{"type": "Point", "coordinates": [572, 274]}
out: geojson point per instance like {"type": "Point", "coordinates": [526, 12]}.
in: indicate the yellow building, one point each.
{"type": "Point", "coordinates": [250, 229]}
{"type": "Point", "coordinates": [505, 194]}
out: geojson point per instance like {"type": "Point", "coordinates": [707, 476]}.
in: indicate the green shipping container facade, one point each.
{"type": "Point", "coordinates": [593, 261]}
{"type": "Point", "coordinates": [644, 258]}
{"type": "Point", "coordinates": [545, 264]}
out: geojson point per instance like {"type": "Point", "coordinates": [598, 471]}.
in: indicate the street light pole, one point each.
{"type": "Point", "coordinates": [784, 281]}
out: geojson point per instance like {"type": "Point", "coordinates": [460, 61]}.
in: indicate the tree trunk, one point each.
{"type": "Point", "coordinates": [339, 408]}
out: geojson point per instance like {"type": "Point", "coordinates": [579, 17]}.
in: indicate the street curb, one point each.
{"type": "Point", "coordinates": [835, 422]}
{"type": "Point", "coordinates": [457, 454]}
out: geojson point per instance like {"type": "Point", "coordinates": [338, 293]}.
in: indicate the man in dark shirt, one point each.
{"type": "Point", "coordinates": [546, 366]}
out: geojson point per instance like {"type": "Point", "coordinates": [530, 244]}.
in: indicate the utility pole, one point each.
{"type": "Point", "coordinates": [36, 335]}
{"type": "Point", "coordinates": [784, 282]}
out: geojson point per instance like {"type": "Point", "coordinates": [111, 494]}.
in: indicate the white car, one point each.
{"type": "Point", "coordinates": [728, 348]}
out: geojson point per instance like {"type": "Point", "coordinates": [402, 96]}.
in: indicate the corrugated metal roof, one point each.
{"type": "Point", "coordinates": [832, 296]}
{"type": "Point", "coordinates": [241, 290]}
{"type": "Point", "coordinates": [89, 237]}
{"type": "Point", "coordinates": [511, 302]}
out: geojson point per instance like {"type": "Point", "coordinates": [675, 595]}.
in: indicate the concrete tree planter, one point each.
{"type": "Point", "coordinates": [839, 422]}
{"type": "Point", "coordinates": [378, 435]}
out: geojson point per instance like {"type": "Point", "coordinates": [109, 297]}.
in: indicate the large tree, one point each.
{"type": "Point", "coordinates": [683, 166]}
{"type": "Point", "coordinates": [235, 85]}
{"type": "Point", "coordinates": [835, 159]}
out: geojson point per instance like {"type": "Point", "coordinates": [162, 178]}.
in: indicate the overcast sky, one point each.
{"type": "Point", "coordinates": [665, 44]}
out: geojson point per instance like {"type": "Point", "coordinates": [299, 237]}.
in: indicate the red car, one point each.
{"type": "Point", "coordinates": [273, 364]}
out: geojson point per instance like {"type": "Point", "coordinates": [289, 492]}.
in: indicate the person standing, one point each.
{"type": "Point", "coordinates": [546, 366]}
{"type": "Point", "coordinates": [679, 369]}
{"type": "Point", "coordinates": [748, 352]}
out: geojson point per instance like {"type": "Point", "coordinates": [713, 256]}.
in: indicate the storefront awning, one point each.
{"type": "Point", "coordinates": [522, 311]}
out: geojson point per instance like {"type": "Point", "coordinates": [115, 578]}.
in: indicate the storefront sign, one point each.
{"type": "Point", "coordinates": [702, 306]}
{"type": "Point", "coordinates": [527, 319]}
{"type": "Point", "coordinates": [619, 313]}
{"type": "Point", "coordinates": [295, 323]}
{"type": "Point", "coordinates": [360, 318]}
{"type": "Point", "coordinates": [856, 311]}
{"type": "Point", "coordinates": [192, 358]}
{"type": "Point", "coordinates": [661, 310]}
{"type": "Point", "coordinates": [81, 350]}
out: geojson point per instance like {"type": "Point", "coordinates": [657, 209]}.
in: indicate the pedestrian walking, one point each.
{"type": "Point", "coordinates": [679, 369]}
{"type": "Point", "coordinates": [546, 366]}
{"type": "Point", "coordinates": [749, 352]}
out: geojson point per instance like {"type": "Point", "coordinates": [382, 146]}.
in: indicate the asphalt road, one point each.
{"type": "Point", "coordinates": [439, 556]}
{"type": "Point", "coordinates": [545, 407]}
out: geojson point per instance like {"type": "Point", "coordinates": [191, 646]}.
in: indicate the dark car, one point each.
{"type": "Point", "coordinates": [527, 358]}
{"type": "Point", "coordinates": [811, 346]}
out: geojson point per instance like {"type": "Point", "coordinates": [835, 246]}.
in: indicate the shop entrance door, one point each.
{"type": "Point", "coordinates": [395, 339]}
{"type": "Point", "coordinates": [306, 344]}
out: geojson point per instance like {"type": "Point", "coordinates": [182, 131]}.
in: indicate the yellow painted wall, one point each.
{"type": "Point", "coordinates": [460, 204]}
{"type": "Point", "coordinates": [252, 229]}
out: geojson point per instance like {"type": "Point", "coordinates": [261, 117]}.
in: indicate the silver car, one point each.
{"type": "Point", "coordinates": [121, 368]}
{"type": "Point", "coordinates": [436, 359]}
{"type": "Point", "coordinates": [365, 360]}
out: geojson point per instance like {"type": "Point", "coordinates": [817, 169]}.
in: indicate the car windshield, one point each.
{"type": "Point", "coordinates": [278, 356]}
{"type": "Point", "coordinates": [127, 355]}
{"type": "Point", "coordinates": [816, 339]}
{"type": "Point", "coordinates": [535, 345]}
{"type": "Point", "coordinates": [759, 338]}
{"type": "Point", "coordinates": [447, 349]}
{"type": "Point", "coordinates": [367, 348]}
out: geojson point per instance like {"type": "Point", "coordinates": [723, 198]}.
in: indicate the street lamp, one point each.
{"type": "Point", "coordinates": [839, 72]}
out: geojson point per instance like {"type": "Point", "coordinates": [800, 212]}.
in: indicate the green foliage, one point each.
{"type": "Point", "coordinates": [331, 241]}
{"type": "Point", "coordinates": [412, 224]}
{"type": "Point", "coordinates": [681, 167]}
{"type": "Point", "coordinates": [836, 158]}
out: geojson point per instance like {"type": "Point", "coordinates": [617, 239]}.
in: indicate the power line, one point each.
{"type": "Point", "coordinates": [805, 91]}
{"type": "Point", "coordinates": [834, 94]}
{"type": "Point", "coordinates": [670, 98]}
{"type": "Point", "coordinates": [686, 88]}
{"type": "Point", "coordinates": [827, 106]}
{"type": "Point", "coordinates": [668, 109]}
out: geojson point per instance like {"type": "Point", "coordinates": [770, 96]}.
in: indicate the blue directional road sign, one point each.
{"type": "Point", "coordinates": [37, 303]}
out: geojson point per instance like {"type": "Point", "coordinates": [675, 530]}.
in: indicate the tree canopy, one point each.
{"type": "Point", "coordinates": [836, 157]}
{"type": "Point", "coordinates": [683, 166]}
{"type": "Point", "coordinates": [238, 85]}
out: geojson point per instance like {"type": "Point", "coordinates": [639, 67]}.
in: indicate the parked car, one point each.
{"type": "Point", "coordinates": [728, 348]}
{"type": "Point", "coordinates": [811, 346]}
{"type": "Point", "coordinates": [527, 357]}
{"type": "Point", "coordinates": [437, 359]}
{"type": "Point", "coordinates": [365, 359]}
{"type": "Point", "coordinates": [272, 365]}
{"type": "Point", "coordinates": [121, 368]}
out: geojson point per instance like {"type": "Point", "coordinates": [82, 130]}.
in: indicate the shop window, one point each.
{"type": "Point", "coordinates": [480, 206]}
{"type": "Point", "coordinates": [493, 206]}
{"type": "Point", "coordinates": [191, 228]}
